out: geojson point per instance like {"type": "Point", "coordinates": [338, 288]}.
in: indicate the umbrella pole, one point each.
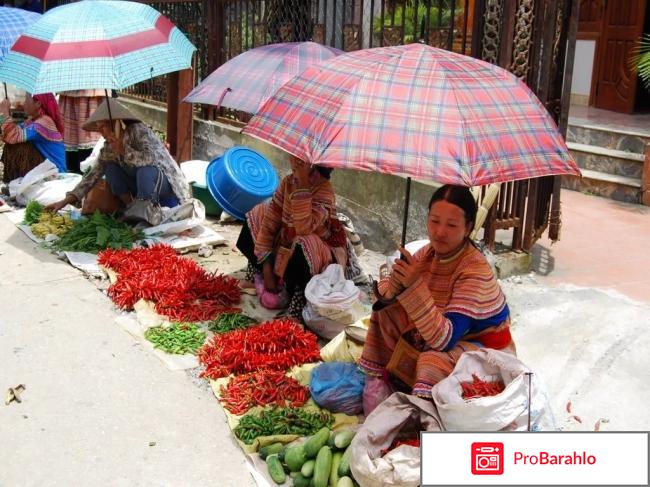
{"type": "Point", "coordinates": [108, 105]}
{"type": "Point", "coordinates": [6, 95]}
{"type": "Point", "coordinates": [406, 210]}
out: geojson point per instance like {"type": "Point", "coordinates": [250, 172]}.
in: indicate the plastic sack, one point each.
{"type": "Point", "coordinates": [338, 387]}
{"type": "Point", "coordinates": [89, 162]}
{"type": "Point", "coordinates": [179, 218]}
{"type": "Point", "coordinates": [507, 411]}
{"type": "Point", "coordinates": [322, 326]}
{"type": "Point", "coordinates": [333, 296]}
{"type": "Point", "coordinates": [48, 191]}
{"type": "Point", "coordinates": [44, 171]}
{"type": "Point", "coordinates": [398, 417]}
{"type": "Point", "coordinates": [376, 391]}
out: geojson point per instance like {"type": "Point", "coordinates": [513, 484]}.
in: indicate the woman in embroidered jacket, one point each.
{"type": "Point", "coordinates": [296, 235]}
{"type": "Point", "coordinates": [40, 137]}
{"type": "Point", "coordinates": [437, 304]}
{"type": "Point", "coordinates": [134, 160]}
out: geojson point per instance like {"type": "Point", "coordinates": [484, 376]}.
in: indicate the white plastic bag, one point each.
{"type": "Point", "coordinates": [322, 326]}
{"type": "Point", "coordinates": [43, 184]}
{"type": "Point", "coordinates": [179, 218]}
{"type": "Point", "coordinates": [334, 297]}
{"type": "Point", "coordinates": [507, 411]}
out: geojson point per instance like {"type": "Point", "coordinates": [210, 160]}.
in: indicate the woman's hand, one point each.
{"type": "Point", "coordinates": [54, 207]}
{"type": "Point", "coordinates": [406, 270]}
{"type": "Point", "coordinates": [5, 108]}
{"type": "Point", "coordinates": [270, 279]}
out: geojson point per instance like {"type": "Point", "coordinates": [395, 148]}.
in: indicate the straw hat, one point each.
{"type": "Point", "coordinates": [118, 112]}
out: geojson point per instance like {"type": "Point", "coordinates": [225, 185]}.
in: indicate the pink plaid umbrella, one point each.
{"type": "Point", "coordinates": [417, 111]}
{"type": "Point", "coordinates": [248, 80]}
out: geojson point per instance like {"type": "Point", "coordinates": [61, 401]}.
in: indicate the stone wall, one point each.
{"type": "Point", "coordinates": [374, 202]}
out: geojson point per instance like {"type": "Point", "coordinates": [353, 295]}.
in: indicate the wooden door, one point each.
{"type": "Point", "coordinates": [615, 80]}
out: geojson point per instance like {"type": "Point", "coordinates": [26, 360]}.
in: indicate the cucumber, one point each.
{"type": "Point", "coordinates": [323, 467]}
{"type": "Point", "coordinates": [330, 442]}
{"type": "Point", "coordinates": [275, 469]}
{"type": "Point", "coordinates": [267, 450]}
{"type": "Point", "coordinates": [344, 465]}
{"type": "Point", "coordinates": [307, 469]}
{"type": "Point", "coordinates": [343, 439]}
{"type": "Point", "coordinates": [301, 481]}
{"type": "Point", "coordinates": [345, 482]}
{"type": "Point", "coordinates": [295, 458]}
{"type": "Point", "coordinates": [293, 475]}
{"type": "Point", "coordinates": [334, 469]}
{"type": "Point", "coordinates": [316, 442]}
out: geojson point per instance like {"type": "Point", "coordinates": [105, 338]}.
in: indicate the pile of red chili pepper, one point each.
{"type": "Point", "coordinates": [410, 442]}
{"type": "Point", "coordinates": [276, 345]}
{"type": "Point", "coordinates": [262, 388]}
{"type": "Point", "coordinates": [481, 388]}
{"type": "Point", "coordinates": [180, 288]}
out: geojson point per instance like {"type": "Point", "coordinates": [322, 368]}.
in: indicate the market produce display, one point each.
{"type": "Point", "coordinates": [97, 233]}
{"type": "Point", "coordinates": [480, 388]}
{"type": "Point", "coordinates": [32, 212]}
{"type": "Point", "coordinates": [277, 344]}
{"type": "Point", "coordinates": [322, 460]}
{"type": "Point", "coordinates": [51, 224]}
{"type": "Point", "coordinates": [229, 322]}
{"type": "Point", "coordinates": [262, 388]}
{"type": "Point", "coordinates": [179, 287]}
{"type": "Point", "coordinates": [178, 338]}
{"type": "Point", "coordinates": [284, 421]}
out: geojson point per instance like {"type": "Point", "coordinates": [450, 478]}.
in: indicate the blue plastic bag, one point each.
{"type": "Point", "coordinates": [338, 387]}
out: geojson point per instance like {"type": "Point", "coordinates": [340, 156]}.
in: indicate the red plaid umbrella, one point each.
{"type": "Point", "coordinates": [248, 80]}
{"type": "Point", "coordinates": [417, 111]}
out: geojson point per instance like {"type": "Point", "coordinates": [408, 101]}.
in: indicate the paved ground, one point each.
{"type": "Point", "coordinates": [604, 244]}
{"type": "Point", "coordinates": [95, 400]}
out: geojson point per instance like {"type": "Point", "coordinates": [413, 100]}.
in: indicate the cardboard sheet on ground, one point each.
{"type": "Point", "coordinates": [192, 239]}
{"type": "Point", "coordinates": [302, 374]}
{"type": "Point", "coordinates": [85, 262]}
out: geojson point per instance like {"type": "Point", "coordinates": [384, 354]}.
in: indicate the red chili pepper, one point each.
{"type": "Point", "coordinates": [180, 288]}
{"type": "Point", "coordinates": [481, 388]}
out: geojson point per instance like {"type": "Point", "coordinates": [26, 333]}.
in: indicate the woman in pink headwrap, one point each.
{"type": "Point", "coordinates": [29, 143]}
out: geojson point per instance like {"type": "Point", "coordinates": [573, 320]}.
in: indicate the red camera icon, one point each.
{"type": "Point", "coordinates": [487, 458]}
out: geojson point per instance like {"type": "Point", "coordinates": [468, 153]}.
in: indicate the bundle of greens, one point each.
{"type": "Point", "coordinates": [229, 322]}
{"type": "Point", "coordinates": [32, 212]}
{"type": "Point", "coordinates": [97, 233]}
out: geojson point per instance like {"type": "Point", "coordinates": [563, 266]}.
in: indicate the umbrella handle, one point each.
{"type": "Point", "coordinates": [407, 197]}
{"type": "Point", "coordinates": [223, 95]}
{"type": "Point", "coordinates": [6, 95]}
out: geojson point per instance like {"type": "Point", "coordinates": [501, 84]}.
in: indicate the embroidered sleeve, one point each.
{"type": "Point", "coordinates": [271, 224]}
{"type": "Point", "coordinates": [13, 133]}
{"type": "Point", "coordinates": [311, 210]}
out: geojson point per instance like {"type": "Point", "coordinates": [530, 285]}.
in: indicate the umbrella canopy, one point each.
{"type": "Point", "coordinates": [417, 111]}
{"type": "Point", "coordinates": [248, 80]}
{"type": "Point", "coordinates": [13, 22]}
{"type": "Point", "coordinates": [94, 44]}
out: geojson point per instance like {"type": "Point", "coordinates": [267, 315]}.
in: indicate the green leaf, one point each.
{"type": "Point", "coordinates": [103, 234]}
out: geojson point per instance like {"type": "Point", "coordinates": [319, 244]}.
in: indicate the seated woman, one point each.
{"type": "Point", "coordinates": [296, 235]}
{"type": "Point", "coordinates": [437, 304]}
{"type": "Point", "coordinates": [134, 160]}
{"type": "Point", "coordinates": [29, 143]}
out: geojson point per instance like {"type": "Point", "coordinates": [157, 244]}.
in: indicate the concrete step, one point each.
{"type": "Point", "coordinates": [612, 161]}
{"type": "Point", "coordinates": [620, 139]}
{"type": "Point", "coordinates": [612, 186]}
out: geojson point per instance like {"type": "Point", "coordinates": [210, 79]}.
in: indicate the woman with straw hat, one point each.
{"type": "Point", "coordinates": [135, 162]}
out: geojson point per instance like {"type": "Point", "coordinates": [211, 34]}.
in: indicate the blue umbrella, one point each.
{"type": "Point", "coordinates": [13, 22]}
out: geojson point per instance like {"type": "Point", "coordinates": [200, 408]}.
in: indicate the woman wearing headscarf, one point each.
{"type": "Point", "coordinates": [29, 143]}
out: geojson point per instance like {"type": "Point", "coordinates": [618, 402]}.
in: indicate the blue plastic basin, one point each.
{"type": "Point", "coordinates": [241, 179]}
